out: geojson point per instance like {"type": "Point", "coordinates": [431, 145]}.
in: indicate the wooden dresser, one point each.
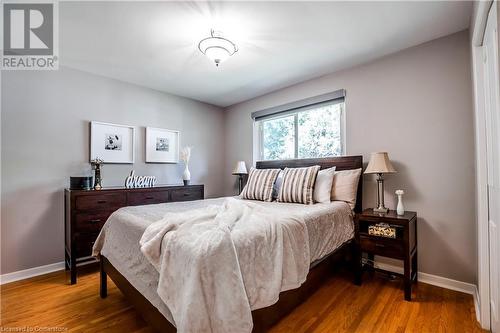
{"type": "Point", "coordinates": [87, 211]}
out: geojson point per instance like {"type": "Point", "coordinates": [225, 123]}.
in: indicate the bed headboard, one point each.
{"type": "Point", "coordinates": [341, 163]}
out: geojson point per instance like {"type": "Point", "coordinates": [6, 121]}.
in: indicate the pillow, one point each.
{"type": "Point", "coordinates": [260, 184]}
{"type": "Point", "coordinates": [298, 185]}
{"type": "Point", "coordinates": [323, 186]}
{"type": "Point", "coordinates": [345, 186]}
{"type": "Point", "coordinates": [277, 185]}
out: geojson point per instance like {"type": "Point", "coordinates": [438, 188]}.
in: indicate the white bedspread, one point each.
{"type": "Point", "coordinates": [324, 228]}
{"type": "Point", "coordinates": [213, 273]}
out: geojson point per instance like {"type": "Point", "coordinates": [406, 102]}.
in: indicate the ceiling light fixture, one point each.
{"type": "Point", "coordinates": [216, 47]}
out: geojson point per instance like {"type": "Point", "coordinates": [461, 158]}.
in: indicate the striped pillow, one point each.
{"type": "Point", "coordinates": [260, 184]}
{"type": "Point", "coordinates": [298, 185]}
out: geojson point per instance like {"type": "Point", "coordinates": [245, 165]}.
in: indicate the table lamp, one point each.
{"type": "Point", "coordinates": [380, 164]}
{"type": "Point", "coordinates": [240, 169]}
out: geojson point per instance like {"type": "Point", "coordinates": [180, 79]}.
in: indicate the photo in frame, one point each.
{"type": "Point", "coordinates": [162, 145]}
{"type": "Point", "coordinates": [112, 143]}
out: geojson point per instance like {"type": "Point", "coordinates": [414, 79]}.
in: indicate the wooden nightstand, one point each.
{"type": "Point", "coordinates": [403, 247]}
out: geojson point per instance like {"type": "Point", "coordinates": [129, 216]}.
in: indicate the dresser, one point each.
{"type": "Point", "coordinates": [87, 211]}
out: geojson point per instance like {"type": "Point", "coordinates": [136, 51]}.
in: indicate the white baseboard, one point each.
{"type": "Point", "coordinates": [477, 304]}
{"type": "Point", "coordinates": [435, 280]}
{"type": "Point", "coordinates": [31, 272]}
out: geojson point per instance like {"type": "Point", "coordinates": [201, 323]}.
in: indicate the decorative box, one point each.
{"type": "Point", "coordinates": [382, 230]}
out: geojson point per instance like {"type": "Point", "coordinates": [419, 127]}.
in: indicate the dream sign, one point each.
{"type": "Point", "coordinates": [133, 181]}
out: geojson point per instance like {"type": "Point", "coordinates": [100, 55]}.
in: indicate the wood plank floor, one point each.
{"type": "Point", "coordinates": [47, 303]}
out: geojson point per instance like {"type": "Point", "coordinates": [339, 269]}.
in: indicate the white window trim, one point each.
{"type": "Point", "coordinates": [257, 134]}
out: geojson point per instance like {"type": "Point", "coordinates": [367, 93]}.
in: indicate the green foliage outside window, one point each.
{"type": "Point", "coordinates": [319, 134]}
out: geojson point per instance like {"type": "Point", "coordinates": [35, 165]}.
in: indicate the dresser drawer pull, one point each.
{"type": "Point", "coordinates": [187, 194]}
{"type": "Point", "coordinates": [95, 221]}
{"type": "Point", "coordinates": [150, 198]}
{"type": "Point", "coordinates": [379, 245]}
{"type": "Point", "coordinates": [101, 201]}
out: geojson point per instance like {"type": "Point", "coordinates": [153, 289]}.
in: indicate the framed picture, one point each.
{"type": "Point", "coordinates": [112, 143]}
{"type": "Point", "coordinates": [162, 145]}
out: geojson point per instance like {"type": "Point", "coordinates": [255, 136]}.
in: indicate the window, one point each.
{"type": "Point", "coordinates": [307, 132]}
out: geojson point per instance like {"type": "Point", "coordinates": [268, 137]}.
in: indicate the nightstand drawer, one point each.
{"type": "Point", "coordinates": [383, 247]}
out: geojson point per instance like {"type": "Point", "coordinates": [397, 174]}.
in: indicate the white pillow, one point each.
{"type": "Point", "coordinates": [323, 186]}
{"type": "Point", "coordinates": [345, 186]}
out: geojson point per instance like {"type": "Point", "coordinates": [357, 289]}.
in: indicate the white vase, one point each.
{"type": "Point", "coordinates": [400, 208]}
{"type": "Point", "coordinates": [186, 175]}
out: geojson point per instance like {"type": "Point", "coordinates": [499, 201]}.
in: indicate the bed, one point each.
{"type": "Point", "coordinates": [123, 262]}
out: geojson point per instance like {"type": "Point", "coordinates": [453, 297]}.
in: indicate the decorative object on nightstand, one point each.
{"type": "Point", "coordinates": [185, 157]}
{"type": "Point", "coordinates": [239, 170]}
{"type": "Point", "coordinates": [96, 165]}
{"type": "Point", "coordinates": [389, 235]}
{"type": "Point", "coordinates": [380, 164]}
{"type": "Point", "coordinates": [400, 209]}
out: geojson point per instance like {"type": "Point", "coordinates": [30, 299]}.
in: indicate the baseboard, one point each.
{"type": "Point", "coordinates": [31, 272]}
{"type": "Point", "coordinates": [435, 280]}
{"type": "Point", "coordinates": [477, 304]}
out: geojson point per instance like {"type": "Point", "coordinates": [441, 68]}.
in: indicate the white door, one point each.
{"type": "Point", "coordinates": [493, 159]}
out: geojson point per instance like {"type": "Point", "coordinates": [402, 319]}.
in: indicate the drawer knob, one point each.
{"type": "Point", "coordinates": [94, 221]}
{"type": "Point", "coordinates": [101, 201]}
{"type": "Point", "coordinates": [379, 245]}
{"type": "Point", "coordinates": [186, 194]}
{"type": "Point", "coordinates": [149, 198]}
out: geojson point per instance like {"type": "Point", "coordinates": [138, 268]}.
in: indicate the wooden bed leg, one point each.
{"type": "Point", "coordinates": [104, 280]}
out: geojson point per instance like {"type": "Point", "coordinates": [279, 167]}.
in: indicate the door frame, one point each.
{"type": "Point", "coordinates": [477, 29]}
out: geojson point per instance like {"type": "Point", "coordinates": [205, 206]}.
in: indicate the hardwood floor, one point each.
{"type": "Point", "coordinates": [339, 306]}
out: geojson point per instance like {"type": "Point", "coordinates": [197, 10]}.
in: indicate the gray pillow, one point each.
{"type": "Point", "coordinates": [277, 185]}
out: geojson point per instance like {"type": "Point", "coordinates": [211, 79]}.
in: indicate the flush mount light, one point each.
{"type": "Point", "coordinates": [216, 47]}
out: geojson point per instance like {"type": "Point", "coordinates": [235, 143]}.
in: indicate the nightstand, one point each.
{"type": "Point", "coordinates": [402, 247]}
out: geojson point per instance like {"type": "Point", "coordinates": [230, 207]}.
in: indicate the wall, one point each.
{"type": "Point", "coordinates": [45, 140]}
{"type": "Point", "coordinates": [417, 105]}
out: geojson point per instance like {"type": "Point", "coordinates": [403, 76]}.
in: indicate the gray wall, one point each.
{"type": "Point", "coordinates": [417, 105]}
{"type": "Point", "coordinates": [45, 139]}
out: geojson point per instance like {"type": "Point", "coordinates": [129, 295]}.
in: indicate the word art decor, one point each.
{"type": "Point", "coordinates": [133, 181]}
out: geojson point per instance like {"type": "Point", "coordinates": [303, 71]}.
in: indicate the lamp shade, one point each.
{"type": "Point", "coordinates": [380, 163]}
{"type": "Point", "coordinates": [240, 168]}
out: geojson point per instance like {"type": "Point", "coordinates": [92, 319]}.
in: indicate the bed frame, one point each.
{"type": "Point", "coordinates": [263, 318]}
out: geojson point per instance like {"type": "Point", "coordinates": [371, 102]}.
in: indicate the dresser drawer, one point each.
{"type": "Point", "coordinates": [84, 242]}
{"type": "Point", "coordinates": [186, 194]}
{"type": "Point", "coordinates": [111, 201]}
{"type": "Point", "coordinates": [146, 197]}
{"type": "Point", "coordinates": [383, 247]}
{"type": "Point", "coordinates": [90, 222]}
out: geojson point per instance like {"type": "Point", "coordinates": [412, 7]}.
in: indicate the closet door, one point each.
{"type": "Point", "coordinates": [490, 47]}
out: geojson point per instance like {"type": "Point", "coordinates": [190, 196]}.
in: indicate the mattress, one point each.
{"type": "Point", "coordinates": [329, 225]}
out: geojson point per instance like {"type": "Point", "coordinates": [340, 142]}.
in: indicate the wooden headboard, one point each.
{"type": "Point", "coordinates": [341, 163]}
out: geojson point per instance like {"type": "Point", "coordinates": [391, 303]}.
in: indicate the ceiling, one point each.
{"type": "Point", "coordinates": [154, 44]}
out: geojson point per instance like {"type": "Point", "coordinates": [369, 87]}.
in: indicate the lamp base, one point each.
{"type": "Point", "coordinates": [381, 210]}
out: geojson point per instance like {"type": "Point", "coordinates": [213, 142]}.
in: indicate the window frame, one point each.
{"type": "Point", "coordinates": [258, 135]}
